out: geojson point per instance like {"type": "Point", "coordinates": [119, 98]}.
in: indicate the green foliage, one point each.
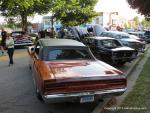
{"type": "Point", "coordinates": [125, 26]}
{"type": "Point", "coordinates": [23, 8]}
{"type": "Point", "coordinates": [69, 12]}
{"type": "Point", "coordinates": [145, 23]}
{"type": "Point", "coordinates": [136, 20]}
{"type": "Point", "coordinates": [74, 12]}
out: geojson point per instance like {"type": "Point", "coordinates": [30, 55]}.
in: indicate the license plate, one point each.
{"type": "Point", "coordinates": [87, 99]}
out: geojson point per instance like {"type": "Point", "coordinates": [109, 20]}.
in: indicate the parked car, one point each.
{"type": "Point", "coordinates": [125, 39]}
{"type": "Point", "coordinates": [95, 29]}
{"type": "Point", "coordinates": [110, 50]}
{"type": "Point", "coordinates": [21, 38]}
{"type": "Point", "coordinates": [147, 36]}
{"type": "Point", "coordinates": [139, 36]}
{"type": "Point", "coordinates": [76, 33]}
{"type": "Point", "coordinates": [79, 33]}
{"type": "Point", "coordinates": [65, 70]}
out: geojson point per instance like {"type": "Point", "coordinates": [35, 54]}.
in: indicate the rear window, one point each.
{"type": "Point", "coordinates": [68, 54]}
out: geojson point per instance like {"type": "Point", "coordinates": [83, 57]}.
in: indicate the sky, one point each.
{"type": "Point", "coordinates": [120, 6]}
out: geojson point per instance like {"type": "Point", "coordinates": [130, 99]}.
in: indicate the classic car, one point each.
{"type": "Point", "coordinates": [125, 39]}
{"type": "Point", "coordinates": [110, 50]}
{"type": "Point", "coordinates": [21, 38]}
{"type": "Point", "coordinates": [147, 36]}
{"type": "Point", "coordinates": [138, 34]}
{"type": "Point", "coordinates": [65, 70]}
{"type": "Point", "coordinates": [78, 33]}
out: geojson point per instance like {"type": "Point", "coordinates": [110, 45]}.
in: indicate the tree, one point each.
{"type": "Point", "coordinates": [143, 6]}
{"type": "Point", "coordinates": [73, 12]}
{"type": "Point", "coordinates": [23, 8]}
{"type": "Point", "coordinates": [136, 20]}
{"type": "Point", "coordinates": [145, 23]}
{"type": "Point", "coordinates": [69, 12]}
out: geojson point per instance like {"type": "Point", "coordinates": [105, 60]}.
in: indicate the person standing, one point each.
{"type": "Point", "coordinates": [41, 34]}
{"type": "Point", "coordinates": [61, 33]}
{"type": "Point", "coordinates": [52, 33]}
{"type": "Point", "coordinates": [3, 41]}
{"type": "Point", "coordinates": [10, 48]}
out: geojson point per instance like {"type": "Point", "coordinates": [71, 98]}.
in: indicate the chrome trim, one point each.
{"type": "Point", "coordinates": [19, 44]}
{"type": "Point", "coordinates": [56, 96]}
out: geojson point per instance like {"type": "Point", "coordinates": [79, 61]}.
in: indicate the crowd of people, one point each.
{"type": "Point", "coordinates": [7, 46]}
{"type": "Point", "coordinates": [51, 34]}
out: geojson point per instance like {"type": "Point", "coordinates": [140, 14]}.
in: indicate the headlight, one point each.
{"type": "Point", "coordinates": [125, 43]}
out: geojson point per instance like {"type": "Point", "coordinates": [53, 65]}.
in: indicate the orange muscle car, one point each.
{"type": "Point", "coordinates": [66, 70]}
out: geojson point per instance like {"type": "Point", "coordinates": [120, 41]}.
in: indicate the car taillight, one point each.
{"type": "Point", "coordinates": [109, 72]}
{"type": "Point", "coordinates": [114, 72]}
{"type": "Point", "coordinates": [119, 72]}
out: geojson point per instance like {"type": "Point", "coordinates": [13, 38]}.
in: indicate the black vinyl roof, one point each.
{"type": "Point", "coordinates": [60, 42]}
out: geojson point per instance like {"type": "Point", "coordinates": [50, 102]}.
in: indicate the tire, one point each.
{"type": "Point", "coordinates": [30, 67]}
{"type": "Point", "coordinates": [38, 95]}
{"type": "Point", "coordinates": [120, 63]}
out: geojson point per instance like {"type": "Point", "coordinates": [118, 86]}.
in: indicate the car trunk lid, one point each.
{"type": "Point", "coordinates": [79, 76]}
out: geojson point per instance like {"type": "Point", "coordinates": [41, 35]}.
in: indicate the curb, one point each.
{"type": "Point", "coordinates": [136, 62]}
{"type": "Point", "coordinates": [99, 107]}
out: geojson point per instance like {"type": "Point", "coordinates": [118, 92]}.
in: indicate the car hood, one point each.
{"type": "Point", "coordinates": [122, 49]}
{"type": "Point", "coordinates": [80, 69]}
{"type": "Point", "coordinates": [130, 40]}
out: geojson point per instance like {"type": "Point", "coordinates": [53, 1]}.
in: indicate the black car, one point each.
{"type": "Point", "coordinates": [110, 50]}
{"type": "Point", "coordinates": [125, 39]}
{"type": "Point", "coordinates": [147, 36]}
{"type": "Point", "coordinates": [79, 33]}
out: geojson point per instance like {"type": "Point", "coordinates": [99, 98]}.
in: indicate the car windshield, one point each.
{"type": "Point", "coordinates": [104, 34]}
{"type": "Point", "coordinates": [110, 43]}
{"type": "Point", "coordinates": [68, 54]}
{"type": "Point", "coordinates": [17, 33]}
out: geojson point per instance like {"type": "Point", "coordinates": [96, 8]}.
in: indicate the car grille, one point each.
{"type": "Point", "coordinates": [123, 54]}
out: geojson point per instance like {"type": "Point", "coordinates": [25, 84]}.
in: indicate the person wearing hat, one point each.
{"type": "Point", "coordinates": [10, 48]}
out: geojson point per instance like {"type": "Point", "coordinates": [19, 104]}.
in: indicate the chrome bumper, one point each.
{"type": "Point", "coordinates": [54, 98]}
{"type": "Point", "coordinates": [23, 44]}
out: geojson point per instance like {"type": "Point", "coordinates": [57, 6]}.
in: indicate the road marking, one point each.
{"type": "Point", "coordinates": [16, 56]}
